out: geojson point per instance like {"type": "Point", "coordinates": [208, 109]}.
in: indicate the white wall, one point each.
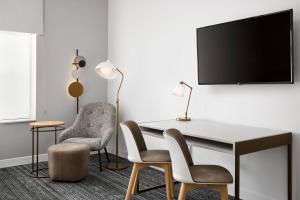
{"type": "Point", "coordinates": [154, 43]}
{"type": "Point", "coordinates": [68, 24]}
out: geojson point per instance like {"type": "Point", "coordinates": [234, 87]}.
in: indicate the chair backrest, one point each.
{"type": "Point", "coordinates": [134, 140]}
{"type": "Point", "coordinates": [94, 117]}
{"type": "Point", "coordinates": [180, 155]}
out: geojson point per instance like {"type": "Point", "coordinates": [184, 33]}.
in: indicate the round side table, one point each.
{"type": "Point", "coordinates": [38, 127]}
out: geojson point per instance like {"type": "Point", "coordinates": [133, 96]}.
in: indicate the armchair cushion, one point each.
{"type": "Point", "coordinates": [94, 143]}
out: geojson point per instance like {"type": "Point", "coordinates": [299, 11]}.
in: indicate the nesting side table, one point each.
{"type": "Point", "coordinates": [36, 128]}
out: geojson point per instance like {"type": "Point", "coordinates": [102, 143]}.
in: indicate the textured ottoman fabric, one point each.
{"type": "Point", "coordinates": [68, 162]}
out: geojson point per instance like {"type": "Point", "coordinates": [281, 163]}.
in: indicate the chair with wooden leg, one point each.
{"type": "Point", "coordinates": [142, 158]}
{"type": "Point", "coordinates": [194, 176]}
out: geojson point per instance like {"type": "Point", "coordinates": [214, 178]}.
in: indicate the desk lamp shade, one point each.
{"type": "Point", "coordinates": [179, 91]}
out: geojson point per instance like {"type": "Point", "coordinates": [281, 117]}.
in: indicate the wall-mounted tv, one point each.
{"type": "Point", "coordinates": [256, 50]}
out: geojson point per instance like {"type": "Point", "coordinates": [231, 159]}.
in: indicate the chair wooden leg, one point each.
{"type": "Point", "coordinates": [169, 182]}
{"type": "Point", "coordinates": [183, 191]}
{"type": "Point", "coordinates": [224, 192]}
{"type": "Point", "coordinates": [222, 189]}
{"type": "Point", "coordinates": [131, 181]}
{"type": "Point", "coordinates": [136, 182]}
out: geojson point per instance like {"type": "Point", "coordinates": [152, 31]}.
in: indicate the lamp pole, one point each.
{"type": "Point", "coordinates": [117, 165]}
{"type": "Point", "coordinates": [186, 118]}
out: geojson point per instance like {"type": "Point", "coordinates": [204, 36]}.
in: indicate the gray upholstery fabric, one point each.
{"type": "Point", "coordinates": [94, 126]}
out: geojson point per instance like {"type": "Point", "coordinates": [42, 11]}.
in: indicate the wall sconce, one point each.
{"type": "Point", "coordinates": [76, 88]}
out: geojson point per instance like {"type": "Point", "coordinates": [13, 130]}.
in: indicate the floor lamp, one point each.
{"type": "Point", "coordinates": [109, 71]}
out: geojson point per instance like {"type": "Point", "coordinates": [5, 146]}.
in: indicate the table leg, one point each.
{"type": "Point", "coordinates": [55, 135]}
{"type": "Point", "coordinates": [289, 172]}
{"type": "Point", "coordinates": [237, 177]}
{"type": "Point", "coordinates": [32, 151]}
{"type": "Point", "coordinates": [37, 152]}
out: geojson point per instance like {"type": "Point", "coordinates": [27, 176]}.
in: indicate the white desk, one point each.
{"type": "Point", "coordinates": [228, 138]}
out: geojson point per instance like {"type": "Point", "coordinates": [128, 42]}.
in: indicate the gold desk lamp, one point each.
{"type": "Point", "coordinates": [179, 91]}
{"type": "Point", "coordinates": [109, 71]}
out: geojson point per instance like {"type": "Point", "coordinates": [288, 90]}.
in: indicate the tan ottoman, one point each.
{"type": "Point", "coordinates": [68, 162]}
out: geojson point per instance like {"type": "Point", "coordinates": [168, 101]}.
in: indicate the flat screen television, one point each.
{"type": "Point", "coordinates": [256, 50]}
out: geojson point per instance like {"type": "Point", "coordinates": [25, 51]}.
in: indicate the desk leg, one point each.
{"type": "Point", "coordinates": [237, 177]}
{"type": "Point", "coordinates": [290, 185]}
{"type": "Point", "coordinates": [55, 135]}
{"type": "Point", "coordinates": [37, 152]}
{"type": "Point", "coordinates": [32, 151]}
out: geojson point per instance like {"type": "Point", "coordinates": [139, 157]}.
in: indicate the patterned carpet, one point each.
{"type": "Point", "coordinates": [15, 183]}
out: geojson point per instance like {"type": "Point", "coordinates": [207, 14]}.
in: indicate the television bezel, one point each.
{"type": "Point", "coordinates": [244, 83]}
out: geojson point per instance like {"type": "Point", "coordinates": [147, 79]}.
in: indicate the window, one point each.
{"type": "Point", "coordinates": [17, 76]}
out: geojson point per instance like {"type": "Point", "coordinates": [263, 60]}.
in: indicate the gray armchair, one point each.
{"type": "Point", "coordinates": [94, 125]}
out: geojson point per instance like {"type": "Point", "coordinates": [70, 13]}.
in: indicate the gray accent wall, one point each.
{"type": "Point", "coordinates": [68, 25]}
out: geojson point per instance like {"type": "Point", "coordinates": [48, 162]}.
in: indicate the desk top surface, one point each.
{"type": "Point", "coordinates": [212, 130]}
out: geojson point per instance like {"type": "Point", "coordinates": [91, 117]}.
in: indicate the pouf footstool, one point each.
{"type": "Point", "coordinates": [68, 162]}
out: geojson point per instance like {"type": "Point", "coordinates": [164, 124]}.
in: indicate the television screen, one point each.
{"type": "Point", "coordinates": [253, 50]}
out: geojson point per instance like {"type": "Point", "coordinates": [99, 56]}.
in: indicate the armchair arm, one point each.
{"type": "Point", "coordinates": [67, 133]}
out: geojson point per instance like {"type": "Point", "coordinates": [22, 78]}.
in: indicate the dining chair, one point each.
{"type": "Point", "coordinates": [194, 176]}
{"type": "Point", "coordinates": [142, 158]}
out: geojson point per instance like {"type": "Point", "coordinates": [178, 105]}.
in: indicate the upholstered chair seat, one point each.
{"type": "Point", "coordinates": [155, 156]}
{"type": "Point", "coordinates": [94, 126]}
{"type": "Point", "coordinates": [210, 174]}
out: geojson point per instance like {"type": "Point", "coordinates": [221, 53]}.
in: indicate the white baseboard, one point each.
{"type": "Point", "coordinates": [11, 162]}
{"type": "Point", "coordinates": [254, 195]}
{"type": "Point", "coordinates": [21, 161]}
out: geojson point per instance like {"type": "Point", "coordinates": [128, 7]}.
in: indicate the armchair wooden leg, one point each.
{"type": "Point", "coordinates": [133, 176]}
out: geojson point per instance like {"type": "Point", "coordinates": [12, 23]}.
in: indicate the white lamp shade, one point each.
{"type": "Point", "coordinates": [179, 90]}
{"type": "Point", "coordinates": [107, 70]}
{"type": "Point", "coordinates": [76, 73]}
